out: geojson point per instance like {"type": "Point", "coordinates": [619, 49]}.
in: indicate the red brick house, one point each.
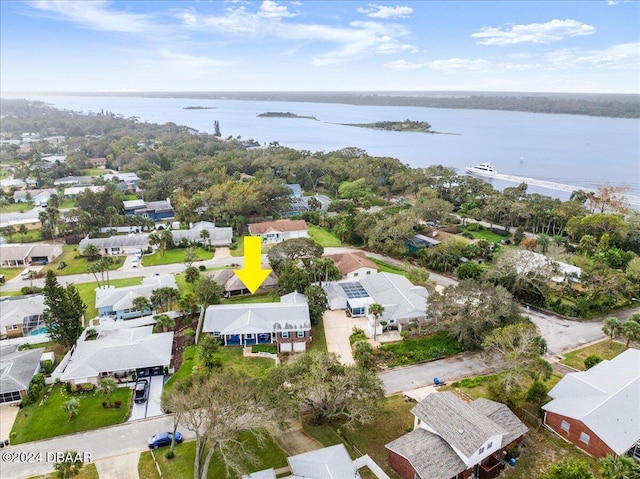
{"type": "Point", "coordinates": [455, 439]}
{"type": "Point", "coordinates": [598, 410]}
{"type": "Point", "coordinates": [97, 162]}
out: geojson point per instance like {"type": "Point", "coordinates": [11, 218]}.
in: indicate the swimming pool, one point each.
{"type": "Point", "coordinates": [38, 331]}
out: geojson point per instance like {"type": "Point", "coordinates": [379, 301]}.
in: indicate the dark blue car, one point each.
{"type": "Point", "coordinates": [163, 439]}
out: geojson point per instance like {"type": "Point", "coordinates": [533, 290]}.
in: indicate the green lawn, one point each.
{"type": "Point", "coordinates": [10, 273]}
{"type": "Point", "coordinates": [267, 453]}
{"type": "Point", "coordinates": [386, 267]}
{"type": "Point", "coordinates": [175, 255]}
{"type": "Point", "coordinates": [41, 421]}
{"type": "Point", "coordinates": [76, 264]}
{"type": "Point", "coordinates": [270, 297]}
{"type": "Point", "coordinates": [88, 471]}
{"type": "Point", "coordinates": [87, 292]}
{"type": "Point", "coordinates": [239, 251]}
{"type": "Point", "coordinates": [30, 237]}
{"type": "Point", "coordinates": [17, 207]}
{"type": "Point", "coordinates": [318, 339]}
{"type": "Point", "coordinates": [325, 238]}
{"type": "Point", "coordinates": [417, 350]}
{"type": "Point", "coordinates": [605, 349]}
{"type": "Point", "coordinates": [393, 420]}
{"type": "Point", "coordinates": [67, 203]}
{"type": "Point", "coordinates": [484, 233]}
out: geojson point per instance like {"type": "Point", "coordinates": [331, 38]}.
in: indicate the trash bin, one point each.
{"type": "Point", "coordinates": [512, 462]}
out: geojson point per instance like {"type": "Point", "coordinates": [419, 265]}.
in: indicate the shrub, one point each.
{"type": "Point", "coordinates": [202, 267]}
{"type": "Point", "coordinates": [473, 227]}
{"type": "Point", "coordinates": [189, 332]}
{"type": "Point", "coordinates": [36, 389]}
{"type": "Point", "coordinates": [357, 334]}
{"type": "Point", "coordinates": [47, 366]}
{"type": "Point", "coordinates": [169, 454]}
{"type": "Point", "coordinates": [591, 361]}
{"type": "Point", "coordinates": [30, 290]}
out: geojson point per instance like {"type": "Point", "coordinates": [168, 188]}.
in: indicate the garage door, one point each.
{"type": "Point", "coordinates": [285, 347]}
{"type": "Point", "coordinates": [299, 347]}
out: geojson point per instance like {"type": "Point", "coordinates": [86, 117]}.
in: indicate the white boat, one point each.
{"type": "Point", "coordinates": [482, 169]}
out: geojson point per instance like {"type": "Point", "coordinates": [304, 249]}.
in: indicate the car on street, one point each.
{"type": "Point", "coordinates": [163, 439]}
{"type": "Point", "coordinates": [141, 391]}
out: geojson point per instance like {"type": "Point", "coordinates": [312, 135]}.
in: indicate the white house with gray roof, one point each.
{"type": "Point", "coordinates": [286, 324]}
{"type": "Point", "coordinates": [116, 245]}
{"type": "Point", "coordinates": [117, 303]}
{"type": "Point", "coordinates": [116, 352]}
{"type": "Point", "coordinates": [215, 236]}
{"type": "Point", "coordinates": [402, 300]}
{"type": "Point", "coordinates": [21, 316]}
{"type": "Point", "coordinates": [598, 410]}
{"type": "Point", "coordinates": [17, 368]}
{"type": "Point", "coordinates": [452, 438]}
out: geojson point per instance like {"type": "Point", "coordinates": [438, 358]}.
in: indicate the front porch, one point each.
{"type": "Point", "coordinates": [248, 339]}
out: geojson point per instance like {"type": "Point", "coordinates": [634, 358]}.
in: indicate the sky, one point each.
{"type": "Point", "coordinates": [521, 46]}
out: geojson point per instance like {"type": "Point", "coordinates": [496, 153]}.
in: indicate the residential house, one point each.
{"type": "Point", "coordinates": [73, 180]}
{"type": "Point", "coordinates": [353, 265]}
{"type": "Point", "coordinates": [54, 159]}
{"type": "Point", "coordinates": [279, 230]}
{"type": "Point", "coordinates": [453, 439]}
{"type": "Point", "coordinates": [117, 245]}
{"type": "Point", "coordinates": [30, 219]}
{"type": "Point", "coordinates": [216, 236]}
{"type": "Point", "coordinates": [73, 191]}
{"type": "Point", "coordinates": [97, 162]}
{"type": "Point", "coordinates": [598, 410]}
{"type": "Point", "coordinates": [419, 242]}
{"type": "Point", "coordinates": [17, 368]}
{"type": "Point", "coordinates": [117, 303]}
{"type": "Point", "coordinates": [233, 286]}
{"type": "Point", "coordinates": [38, 197]}
{"type": "Point", "coordinates": [403, 301]}
{"type": "Point", "coordinates": [24, 254]}
{"type": "Point", "coordinates": [331, 462]}
{"type": "Point", "coordinates": [296, 190]}
{"type": "Point", "coordinates": [21, 316]}
{"type": "Point", "coordinates": [529, 261]}
{"type": "Point", "coordinates": [116, 352]}
{"type": "Point", "coordinates": [129, 180]}
{"type": "Point", "coordinates": [55, 140]}
{"type": "Point", "coordinates": [286, 324]}
{"type": "Point", "coordinates": [156, 210]}
{"type": "Point", "coordinates": [17, 183]}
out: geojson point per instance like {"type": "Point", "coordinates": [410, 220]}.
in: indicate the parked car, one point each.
{"type": "Point", "coordinates": [141, 391]}
{"type": "Point", "coordinates": [139, 253]}
{"type": "Point", "coordinates": [163, 439]}
{"type": "Point", "coordinates": [135, 262]}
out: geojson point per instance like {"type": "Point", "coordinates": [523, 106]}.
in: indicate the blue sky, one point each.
{"type": "Point", "coordinates": [545, 46]}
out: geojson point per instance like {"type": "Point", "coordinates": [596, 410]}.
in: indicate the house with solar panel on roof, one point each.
{"type": "Point", "coordinates": [403, 301]}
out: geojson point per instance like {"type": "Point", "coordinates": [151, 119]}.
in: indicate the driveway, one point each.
{"type": "Point", "coordinates": [337, 329]}
{"type": "Point", "coordinates": [151, 407]}
{"type": "Point", "coordinates": [8, 413]}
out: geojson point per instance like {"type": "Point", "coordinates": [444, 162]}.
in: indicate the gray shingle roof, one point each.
{"type": "Point", "coordinates": [118, 241]}
{"type": "Point", "coordinates": [605, 398]}
{"type": "Point", "coordinates": [401, 299]}
{"type": "Point", "coordinates": [456, 421]}
{"type": "Point", "coordinates": [331, 462]}
{"type": "Point", "coordinates": [502, 416]}
{"type": "Point", "coordinates": [13, 311]}
{"type": "Point", "coordinates": [17, 369]}
{"type": "Point", "coordinates": [428, 453]}
{"type": "Point", "coordinates": [122, 298]}
{"type": "Point", "coordinates": [256, 318]}
{"type": "Point", "coordinates": [230, 281]}
{"type": "Point", "coordinates": [217, 236]}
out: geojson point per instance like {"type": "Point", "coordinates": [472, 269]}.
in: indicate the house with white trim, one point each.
{"type": "Point", "coordinates": [24, 254]}
{"type": "Point", "coordinates": [598, 410]}
{"type": "Point", "coordinates": [453, 439]}
{"type": "Point", "coordinates": [118, 244]}
{"type": "Point", "coordinates": [286, 324]}
{"type": "Point", "coordinates": [279, 230]}
{"type": "Point", "coordinates": [353, 264]}
{"type": "Point", "coordinates": [117, 303]}
{"type": "Point", "coordinates": [217, 236]}
{"type": "Point", "coordinates": [17, 368]}
{"type": "Point", "coordinates": [21, 316]}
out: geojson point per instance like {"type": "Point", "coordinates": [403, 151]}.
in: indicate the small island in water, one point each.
{"type": "Point", "coordinates": [406, 125]}
{"type": "Point", "coordinates": [199, 108]}
{"type": "Point", "coordinates": [288, 114]}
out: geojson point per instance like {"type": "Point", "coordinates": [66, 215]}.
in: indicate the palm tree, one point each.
{"type": "Point", "coordinates": [141, 303]}
{"type": "Point", "coordinates": [95, 268]}
{"type": "Point", "coordinates": [619, 467]}
{"type": "Point", "coordinates": [543, 240]}
{"type": "Point", "coordinates": [205, 235]}
{"type": "Point", "coordinates": [611, 327]}
{"type": "Point", "coordinates": [105, 264]}
{"type": "Point", "coordinates": [630, 331]}
{"type": "Point", "coordinates": [376, 310]}
{"type": "Point", "coordinates": [22, 229]}
{"type": "Point", "coordinates": [165, 322]}
{"type": "Point", "coordinates": [91, 251]}
{"type": "Point", "coordinates": [71, 406]}
{"type": "Point", "coordinates": [70, 467]}
{"type": "Point", "coordinates": [107, 387]}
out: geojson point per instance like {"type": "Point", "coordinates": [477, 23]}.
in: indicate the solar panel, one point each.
{"type": "Point", "coordinates": [354, 290]}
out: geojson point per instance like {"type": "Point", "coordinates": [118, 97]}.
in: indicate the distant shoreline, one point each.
{"type": "Point", "coordinates": [199, 108]}
{"type": "Point", "coordinates": [288, 114]}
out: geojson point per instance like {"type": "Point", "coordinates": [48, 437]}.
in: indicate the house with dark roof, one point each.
{"type": "Point", "coordinates": [286, 324]}
{"type": "Point", "coordinates": [233, 286]}
{"type": "Point", "coordinates": [17, 368]}
{"type": "Point", "coordinates": [156, 210]}
{"type": "Point", "coordinates": [353, 265]}
{"type": "Point", "coordinates": [453, 439]}
{"type": "Point", "coordinates": [598, 410]}
{"type": "Point", "coordinates": [279, 230]}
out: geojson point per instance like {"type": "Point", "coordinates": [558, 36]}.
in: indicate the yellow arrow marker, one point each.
{"type": "Point", "coordinates": [252, 275]}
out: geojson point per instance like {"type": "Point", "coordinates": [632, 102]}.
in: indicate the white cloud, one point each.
{"type": "Point", "coordinates": [94, 15]}
{"type": "Point", "coordinates": [552, 31]}
{"type": "Point", "coordinates": [460, 64]}
{"type": "Point", "coordinates": [402, 65]}
{"type": "Point", "coordinates": [270, 9]}
{"type": "Point", "coordinates": [382, 11]}
{"type": "Point", "coordinates": [190, 62]}
{"type": "Point", "coordinates": [617, 57]}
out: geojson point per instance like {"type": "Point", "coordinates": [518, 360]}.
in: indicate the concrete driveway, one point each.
{"type": "Point", "coordinates": [8, 413]}
{"type": "Point", "coordinates": [563, 334]}
{"type": "Point", "coordinates": [337, 329]}
{"type": "Point", "coordinates": [151, 407]}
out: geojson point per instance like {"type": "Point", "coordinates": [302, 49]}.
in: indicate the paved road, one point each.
{"type": "Point", "coordinates": [100, 444]}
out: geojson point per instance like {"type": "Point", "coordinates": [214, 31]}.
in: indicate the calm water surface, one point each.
{"type": "Point", "coordinates": [578, 150]}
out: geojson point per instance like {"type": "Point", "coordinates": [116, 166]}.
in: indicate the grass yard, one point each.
{"type": "Point", "coordinates": [417, 350]}
{"type": "Point", "coordinates": [10, 273]}
{"type": "Point", "coordinates": [318, 338]}
{"type": "Point", "coordinates": [394, 419]}
{"type": "Point", "coordinates": [17, 207]}
{"type": "Point", "coordinates": [268, 455]}
{"type": "Point", "coordinates": [270, 297]}
{"type": "Point", "coordinates": [87, 292]}
{"type": "Point", "coordinates": [325, 238]}
{"type": "Point", "coordinates": [175, 255]}
{"type": "Point", "coordinates": [484, 233]}
{"type": "Point", "coordinates": [48, 419]}
{"type": "Point", "coordinates": [75, 265]}
{"type": "Point", "coordinates": [30, 237]}
{"type": "Point", "coordinates": [477, 387]}
{"type": "Point", "coordinates": [239, 251]}
{"type": "Point", "coordinates": [88, 471]}
{"type": "Point", "coordinates": [386, 267]}
{"type": "Point", "coordinates": [605, 349]}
